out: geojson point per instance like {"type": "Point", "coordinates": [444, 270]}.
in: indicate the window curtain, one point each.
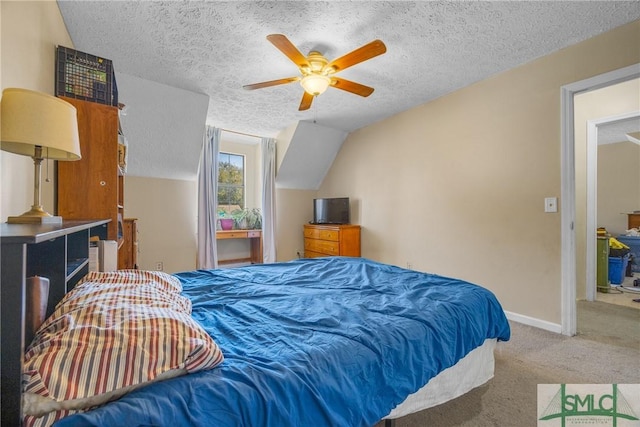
{"type": "Point", "coordinates": [268, 199]}
{"type": "Point", "coordinates": [208, 199]}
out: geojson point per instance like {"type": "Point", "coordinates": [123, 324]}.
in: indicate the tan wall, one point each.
{"type": "Point", "coordinates": [598, 104]}
{"type": "Point", "coordinates": [168, 211]}
{"type": "Point", "coordinates": [294, 208]}
{"type": "Point", "coordinates": [29, 32]}
{"type": "Point", "coordinates": [456, 186]}
{"type": "Point", "coordinates": [167, 215]}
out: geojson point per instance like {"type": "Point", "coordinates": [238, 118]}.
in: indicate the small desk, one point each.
{"type": "Point", "coordinates": [255, 237]}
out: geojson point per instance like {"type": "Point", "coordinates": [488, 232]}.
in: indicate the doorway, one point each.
{"type": "Point", "coordinates": [623, 122]}
{"type": "Point", "coordinates": [569, 258]}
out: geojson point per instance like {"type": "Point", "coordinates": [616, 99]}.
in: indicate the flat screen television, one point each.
{"type": "Point", "coordinates": [333, 210]}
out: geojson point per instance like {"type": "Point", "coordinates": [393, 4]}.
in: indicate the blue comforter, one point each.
{"type": "Point", "coordinates": [313, 342]}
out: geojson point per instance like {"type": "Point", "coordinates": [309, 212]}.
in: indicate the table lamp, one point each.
{"type": "Point", "coordinates": [40, 126]}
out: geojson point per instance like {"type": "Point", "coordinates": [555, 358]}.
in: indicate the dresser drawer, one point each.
{"type": "Point", "coordinates": [322, 234]}
{"type": "Point", "coordinates": [254, 233]}
{"type": "Point", "coordinates": [322, 246]}
{"type": "Point", "coordinates": [331, 240]}
{"type": "Point", "coordinates": [240, 234]}
{"type": "Point", "coordinates": [311, 254]}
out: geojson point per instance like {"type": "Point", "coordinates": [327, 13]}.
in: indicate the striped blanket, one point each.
{"type": "Point", "coordinates": [114, 332]}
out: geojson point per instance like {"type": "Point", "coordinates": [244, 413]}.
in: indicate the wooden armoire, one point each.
{"type": "Point", "coordinates": [93, 187]}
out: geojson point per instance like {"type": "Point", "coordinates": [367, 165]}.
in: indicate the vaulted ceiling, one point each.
{"type": "Point", "coordinates": [433, 48]}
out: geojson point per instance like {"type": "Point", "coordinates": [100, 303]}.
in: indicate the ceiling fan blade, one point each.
{"type": "Point", "coordinates": [350, 86]}
{"type": "Point", "coordinates": [282, 42]}
{"type": "Point", "coordinates": [271, 83]}
{"type": "Point", "coordinates": [368, 51]}
{"type": "Point", "coordinates": [305, 104]}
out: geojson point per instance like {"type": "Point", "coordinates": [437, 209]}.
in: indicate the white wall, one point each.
{"type": "Point", "coordinates": [310, 151]}
{"type": "Point", "coordinates": [164, 127]}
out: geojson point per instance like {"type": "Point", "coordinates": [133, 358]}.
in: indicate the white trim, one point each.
{"type": "Point", "coordinates": [568, 214]}
{"type": "Point", "coordinates": [532, 321]}
{"type": "Point", "coordinates": [568, 256]}
{"type": "Point", "coordinates": [592, 209]}
{"type": "Point", "coordinates": [592, 195]}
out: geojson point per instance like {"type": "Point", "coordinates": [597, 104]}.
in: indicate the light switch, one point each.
{"type": "Point", "coordinates": [551, 204]}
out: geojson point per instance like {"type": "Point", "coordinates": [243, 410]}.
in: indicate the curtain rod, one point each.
{"type": "Point", "coordinates": [242, 133]}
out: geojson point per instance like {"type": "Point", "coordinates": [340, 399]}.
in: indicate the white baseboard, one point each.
{"type": "Point", "coordinates": [532, 321]}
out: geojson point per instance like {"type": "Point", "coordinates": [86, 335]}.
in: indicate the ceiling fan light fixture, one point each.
{"type": "Point", "coordinates": [317, 73]}
{"type": "Point", "coordinates": [315, 84]}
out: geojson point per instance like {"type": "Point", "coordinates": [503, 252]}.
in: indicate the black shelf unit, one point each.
{"type": "Point", "coordinates": [57, 252]}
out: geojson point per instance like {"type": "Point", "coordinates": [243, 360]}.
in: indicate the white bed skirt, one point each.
{"type": "Point", "coordinates": [473, 370]}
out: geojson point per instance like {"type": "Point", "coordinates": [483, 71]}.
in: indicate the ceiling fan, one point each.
{"type": "Point", "coordinates": [317, 73]}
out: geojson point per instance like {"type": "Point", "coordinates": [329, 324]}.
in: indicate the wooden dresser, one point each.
{"type": "Point", "coordinates": [331, 240]}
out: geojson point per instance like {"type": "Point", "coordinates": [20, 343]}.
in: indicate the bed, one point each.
{"type": "Point", "coordinates": [326, 341]}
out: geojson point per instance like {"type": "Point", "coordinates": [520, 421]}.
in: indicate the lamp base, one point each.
{"type": "Point", "coordinates": [35, 216]}
{"type": "Point", "coordinates": [34, 220]}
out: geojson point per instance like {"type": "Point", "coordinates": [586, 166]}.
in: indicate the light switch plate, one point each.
{"type": "Point", "coordinates": [551, 204]}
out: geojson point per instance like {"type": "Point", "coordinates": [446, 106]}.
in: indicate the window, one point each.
{"type": "Point", "coordinates": [230, 182]}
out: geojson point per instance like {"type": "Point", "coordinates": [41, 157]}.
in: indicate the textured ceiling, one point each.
{"type": "Point", "coordinates": [611, 133]}
{"type": "Point", "coordinates": [433, 48]}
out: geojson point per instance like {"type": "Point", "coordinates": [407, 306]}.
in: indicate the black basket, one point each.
{"type": "Point", "coordinates": [84, 76]}
{"type": "Point", "coordinates": [618, 252]}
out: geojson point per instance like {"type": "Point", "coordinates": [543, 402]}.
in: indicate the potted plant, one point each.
{"type": "Point", "coordinates": [226, 220]}
{"type": "Point", "coordinates": [254, 219]}
{"type": "Point", "coordinates": [247, 219]}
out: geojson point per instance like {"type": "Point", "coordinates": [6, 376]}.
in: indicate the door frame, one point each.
{"type": "Point", "coordinates": [592, 195]}
{"type": "Point", "coordinates": [568, 192]}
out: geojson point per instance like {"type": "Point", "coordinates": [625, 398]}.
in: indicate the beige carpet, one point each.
{"type": "Point", "coordinates": [622, 295]}
{"type": "Point", "coordinates": [608, 323]}
{"type": "Point", "coordinates": [534, 356]}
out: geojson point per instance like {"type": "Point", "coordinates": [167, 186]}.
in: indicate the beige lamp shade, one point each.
{"type": "Point", "coordinates": [30, 119]}
{"type": "Point", "coordinates": [40, 126]}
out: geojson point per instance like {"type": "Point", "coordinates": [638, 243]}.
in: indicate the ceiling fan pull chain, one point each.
{"type": "Point", "coordinates": [315, 112]}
